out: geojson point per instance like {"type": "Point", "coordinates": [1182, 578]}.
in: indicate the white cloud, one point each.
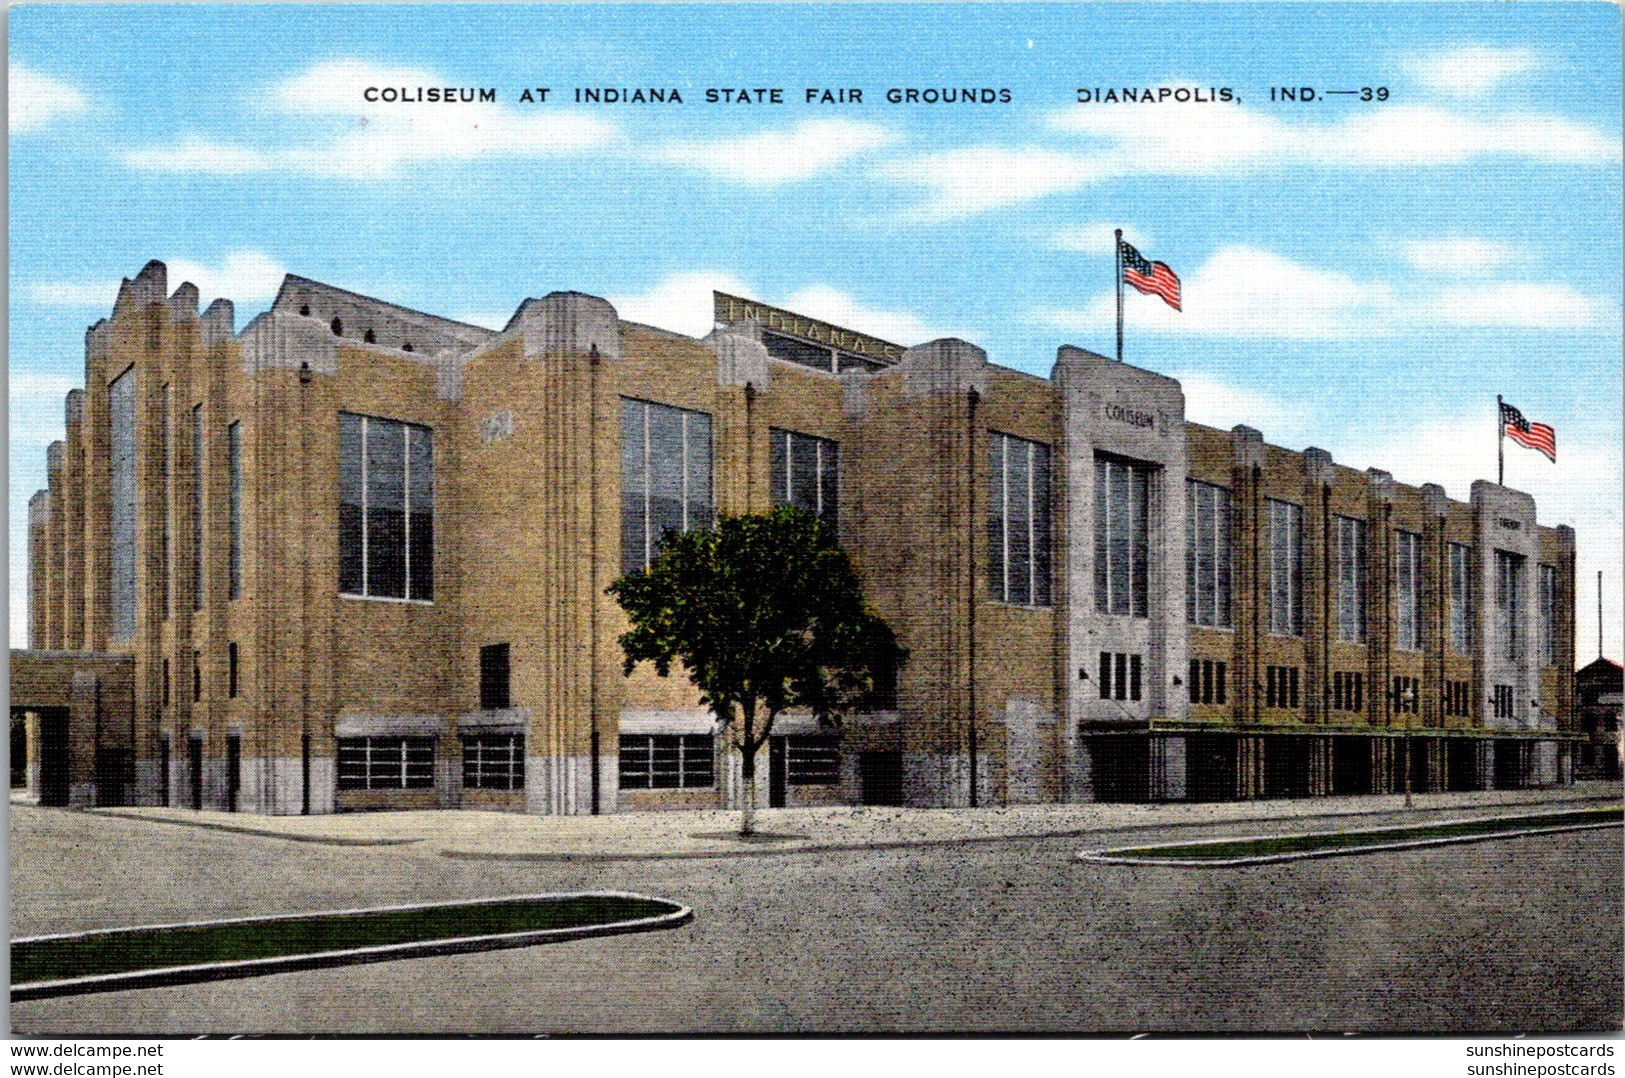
{"type": "Point", "coordinates": [35, 384]}
{"type": "Point", "coordinates": [1243, 292]}
{"type": "Point", "coordinates": [773, 157]}
{"type": "Point", "coordinates": [35, 99]}
{"type": "Point", "coordinates": [1218, 403]}
{"type": "Point", "coordinates": [1473, 70]}
{"type": "Point", "coordinates": [682, 302]}
{"type": "Point", "coordinates": [367, 140]}
{"type": "Point", "coordinates": [1097, 238]}
{"type": "Point", "coordinates": [1522, 306]}
{"type": "Point", "coordinates": [1227, 139]}
{"type": "Point", "coordinates": [242, 277]}
{"type": "Point", "coordinates": [1463, 255]}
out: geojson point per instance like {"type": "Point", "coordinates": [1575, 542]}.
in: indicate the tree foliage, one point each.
{"type": "Point", "coordinates": [765, 613]}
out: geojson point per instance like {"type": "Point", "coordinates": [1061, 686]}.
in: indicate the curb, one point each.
{"type": "Point", "coordinates": [255, 967]}
{"type": "Point", "coordinates": [1122, 856]}
{"type": "Point", "coordinates": [210, 825]}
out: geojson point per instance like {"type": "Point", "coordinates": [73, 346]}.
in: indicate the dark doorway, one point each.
{"type": "Point", "coordinates": [234, 770]}
{"type": "Point", "coordinates": [112, 769]}
{"type": "Point", "coordinates": [1120, 767]}
{"type": "Point", "coordinates": [194, 753]}
{"type": "Point", "coordinates": [53, 756]}
{"type": "Point", "coordinates": [775, 772]}
{"type": "Point", "coordinates": [1351, 765]}
{"type": "Point", "coordinates": [163, 772]}
{"type": "Point", "coordinates": [19, 749]}
{"type": "Point", "coordinates": [880, 777]}
{"type": "Point", "coordinates": [1210, 761]}
{"type": "Point", "coordinates": [1461, 764]}
{"type": "Point", "coordinates": [1286, 766]}
{"type": "Point", "coordinates": [1509, 765]}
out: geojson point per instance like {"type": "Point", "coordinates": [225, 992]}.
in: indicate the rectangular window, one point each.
{"type": "Point", "coordinates": [197, 676]}
{"type": "Point", "coordinates": [494, 761]}
{"type": "Point", "coordinates": [1281, 686]}
{"type": "Point", "coordinates": [386, 508]}
{"type": "Point", "coordinates": [806, 474]}
{"type": "Point", "coordinates": [1018, 520]}
{"type": "Point", "coordinates": [812, 760]}
{"type": "Point", "coordinates": [1286, 567]}
{"type": "Point", "coordinates": [665, 477]}
{"type": "Point", "coordinates": [1207, 554]}
{"type": "Point", "coordinates": [1122, 505]}
{"type": "Point", "coordinates": [231, 670]}
{"type": "Point", "coordinates": [166, 683]}
{"type": "Point", "coordinates": [1457, 699]}
{"type": "Point", "coordinates": [1407, 695]}
{"type": "Point", "coordinates": [165, 480]}
{"type": "Point", "coordinates": [197, 506]}
{"type": "Point", "coordinates": [1348, 690]}
{"type": "Point", "coordinates": [667, 761]}
{"type": "Point", "coordinates": [1461, 599]}
{"type": "Point", "coordinates": [1501, 701]}
{"type": "Point", "coordinates": [234, 465]}
{"type": "Point", "coordinates": [1120, 675]}
{"type": "Point", "coordinates": [494, 676]}
{"type": "Point", "coordinates": [386, 763]}
{"type": "Point", "coordinates": [121, 409]}
{"type": "Point", "coordinates": [1548, 615]}
{"type": "Point", "coordinates": [1408, 591]}
{"type": "Point", "coordinates": [1207, 679]}
{"type": "Point", "coordinates": [1508, 612]}
{"type": "Point", "coordinates": [1351, 574]}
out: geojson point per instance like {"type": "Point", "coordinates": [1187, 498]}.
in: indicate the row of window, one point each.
{"type": "Point", "coordinates": [497, 761]}
{"type": "Point", "coordinates": [1281, 689]}
{"type": "Point", "coordinates": [386, 524]}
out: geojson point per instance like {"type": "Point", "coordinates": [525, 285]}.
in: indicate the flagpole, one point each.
{"type": "Point", "coordinates": [1500, 444]}
{"type": "Point", "coordinates": [1118, 248]}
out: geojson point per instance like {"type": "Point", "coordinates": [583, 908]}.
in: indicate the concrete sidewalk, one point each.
{"type": "Point", "coordinates": [713, 833]}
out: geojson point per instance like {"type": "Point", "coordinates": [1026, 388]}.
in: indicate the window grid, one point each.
{"type": "Point", "coordinates": [1548, 615]}
{"type": "Point", "coordinates": [234, 450]}
{"type": "Point", "coordinates": [1281, 686]}
{"type": "Point", "coordinates": [806, 474]}
{"type": "Point", "coordinates": [386, 763]}
{"type": "Point", "coordinates": [371, 528]}
{"type": "Point", "coordinates": [1207, 555]}
{"type": "Point", "coordinates": [667, 761]}
{"type": "Point", "coordinates": [494, 761]}
{"type": "Point", "coordinates": [1018, 520]}
{"type": "Point", "coordinates": [1286, 567]}
{"type": "Point", "coordinates": [647, 479]}
{"type": "Point", "coordinates": [1407, 695]}
{"type": "Point", "coordinates": [1348, 690]}
{"type": "Point", "coordinates": [1508, 612]}
{"type": "Point", "coordinates": [1120, 675]}
{"type": "Point", "coordinates": [1461, 599]}
{"type": "Point", "coordinates": [1122, 497]}
{"type": "Point", "coordinates": [1351, 579]}
{"type": "Point", "coordinates": [1457, 698]}
{"type": "Point", "coordinates": [1408, 590]}
{"type": "Point", "coordinates": [121, 416]}
{"type": "Point", "coordinates": [1501, 701]}
{"type": "Point", "coordinates": [1206, 681]}
{"type": "Point", "coordinates": [812, 759]}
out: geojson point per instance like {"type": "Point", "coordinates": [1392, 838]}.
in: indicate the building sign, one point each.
{"type": "Point", "coordinates": [1132, 416]}
{"type": "Point", "coordinates": [730, 309]}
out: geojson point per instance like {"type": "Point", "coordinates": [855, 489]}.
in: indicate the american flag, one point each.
{"type": "Point", "coordinates": [1529, 435]}
{"type": "Point", "coordinates": [1152, 278]}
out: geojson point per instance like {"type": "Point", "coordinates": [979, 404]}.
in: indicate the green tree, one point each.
{"type": "Point", "coordinates": [764, 613]}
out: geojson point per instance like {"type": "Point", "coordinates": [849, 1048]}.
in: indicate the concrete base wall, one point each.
{"type": "Point", "coordinates": [558, 785]}
{"type": "Point", "coordinates": [942, 779]}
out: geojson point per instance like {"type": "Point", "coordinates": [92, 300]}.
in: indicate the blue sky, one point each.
{"type": "Point", "coordinates": [1362, 276]}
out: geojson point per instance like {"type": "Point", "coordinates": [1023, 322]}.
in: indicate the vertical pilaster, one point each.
{"type": "Point", "coordinates": [1250, 582]}
{"type": "Point", "coordinates": [1318, 474]}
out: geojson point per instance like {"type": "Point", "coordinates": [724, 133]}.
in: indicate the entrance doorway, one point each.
{"type": "Point", "coordinates": [194, 760]}
{"type": "Point", "coordinates": [880, 777]}
{"type": "Point", "coordinates": [234, 770]}
{"type": "Point", "coordinates": [776, 772]}
{"type": "Point", "coordinates": [53, 756]}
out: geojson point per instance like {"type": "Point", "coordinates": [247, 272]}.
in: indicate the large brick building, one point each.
{"type": "Point", "coordinates": [355, 556]}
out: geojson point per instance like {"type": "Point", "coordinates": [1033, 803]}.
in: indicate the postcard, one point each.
{"type": "Point", "coordinates": [815, 519]}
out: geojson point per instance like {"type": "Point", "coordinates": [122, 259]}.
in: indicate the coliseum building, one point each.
{"type": "Point", "coordinates": [354, 556]}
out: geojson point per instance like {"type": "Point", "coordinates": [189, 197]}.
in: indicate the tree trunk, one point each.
{"type": "Point", "coordinates": [747, 745]}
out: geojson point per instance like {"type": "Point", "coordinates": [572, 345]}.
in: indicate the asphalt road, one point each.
{"type": "Point", "coordinates": [1511, 935]}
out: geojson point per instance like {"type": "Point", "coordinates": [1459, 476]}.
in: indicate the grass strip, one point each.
{"type": "Point", "coordinates": [1265, 847]}
{"type": "Point", "coordinates": [164, 948]}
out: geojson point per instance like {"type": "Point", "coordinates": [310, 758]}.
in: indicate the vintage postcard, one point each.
{"type": "Point", "coordinates": [817, 519]}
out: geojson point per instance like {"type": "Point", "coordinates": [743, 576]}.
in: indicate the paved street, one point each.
{"type": "Point", "coordinates": [1002, 935]}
